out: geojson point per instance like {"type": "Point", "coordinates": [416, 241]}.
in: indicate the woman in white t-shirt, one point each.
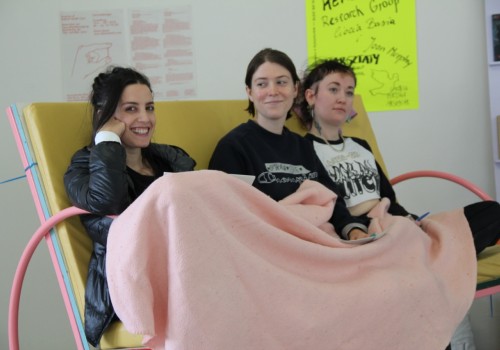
{"type": "Point", "coordinates": [325, 105]}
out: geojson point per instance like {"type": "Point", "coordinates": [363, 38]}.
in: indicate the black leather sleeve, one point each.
{"type": "Point", "coordinates": [97, 180]}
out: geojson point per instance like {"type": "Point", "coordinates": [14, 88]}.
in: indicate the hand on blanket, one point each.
{"type": "Point", "coordinates": [356, 233]}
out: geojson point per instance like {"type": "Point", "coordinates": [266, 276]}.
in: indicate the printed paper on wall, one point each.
{"type": "Point", "coordinates": [157, 42]}
{"type": "Point", "coordinates": [378, 38]}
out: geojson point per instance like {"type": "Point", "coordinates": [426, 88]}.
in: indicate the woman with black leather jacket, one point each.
{"type": "Point", "coordinates": [105, 177]}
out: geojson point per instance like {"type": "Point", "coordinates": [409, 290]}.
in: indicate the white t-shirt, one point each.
{"type": "Point", "coordinates": [353, 169]}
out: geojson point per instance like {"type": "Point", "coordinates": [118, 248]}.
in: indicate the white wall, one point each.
{"type": "Point", "coordinates": [450, 131]}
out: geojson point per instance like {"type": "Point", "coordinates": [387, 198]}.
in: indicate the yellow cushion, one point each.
{"type": "Point", "coordinates": [488, 267]}
{"type": "Point", "coordinates": [57, 130]}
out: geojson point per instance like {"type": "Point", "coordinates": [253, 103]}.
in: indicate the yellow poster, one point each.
{"type": "Point", "coordinates": [376, 37]}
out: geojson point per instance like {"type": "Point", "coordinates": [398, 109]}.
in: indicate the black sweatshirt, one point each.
{"type": "Point", "coordinates": [280, 163]}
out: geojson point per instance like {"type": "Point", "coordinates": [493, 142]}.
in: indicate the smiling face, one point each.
{"type": "Point", "coordinates": [136, 110]}
{"type": "Point", "coordinates": [272, 92]}
{"type": "Point", "coordinates": [332, 98]}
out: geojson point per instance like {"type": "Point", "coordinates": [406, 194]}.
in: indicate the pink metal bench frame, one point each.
{"type": "Point", "coordinates": [462, 182]}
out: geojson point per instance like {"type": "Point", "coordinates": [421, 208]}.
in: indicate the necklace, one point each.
{"type": "Point", "coordinates": [318, 127]}
{"type": "Point", "coordinates": [331, 146]}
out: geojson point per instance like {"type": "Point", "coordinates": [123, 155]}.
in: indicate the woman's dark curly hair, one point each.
{"type": "Point", "coordinates": [312, 76]}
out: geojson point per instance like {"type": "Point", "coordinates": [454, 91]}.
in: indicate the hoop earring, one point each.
{"type": "Point", "coordinates": [313, 120]}
{"type": "Point", "coordinates": [311, 111]}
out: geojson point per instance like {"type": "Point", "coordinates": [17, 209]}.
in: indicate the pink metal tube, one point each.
{"type": "Point", "coordinates": [15, 294]}
{"type": "Point", "coordinates": [442, 175]}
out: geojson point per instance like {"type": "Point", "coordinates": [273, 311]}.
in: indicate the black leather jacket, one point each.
{"type": "Point", "coordinates": [97, 181]}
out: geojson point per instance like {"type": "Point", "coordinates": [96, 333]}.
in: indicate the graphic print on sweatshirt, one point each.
{"type": "Point", "coordinates": [354, 171]}
{"type": "Point", "coordinates": [285, 173]}
{"type": "Point", "coordinates": [358, 180]}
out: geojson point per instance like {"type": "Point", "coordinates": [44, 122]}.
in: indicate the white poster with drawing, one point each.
{"type": "Point", "coordinates": [156, 42]}
{"type": "Point", "coordinates": [90, 42]}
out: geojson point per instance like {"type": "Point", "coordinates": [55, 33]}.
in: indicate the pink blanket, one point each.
{"type": "Point", "coordinates": [203, 260]}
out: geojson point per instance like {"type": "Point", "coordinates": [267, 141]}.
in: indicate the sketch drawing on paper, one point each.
{"type": "Point", "coordinates": [386, 82]}
{"type": "Point", "coordinates": [90, 59]}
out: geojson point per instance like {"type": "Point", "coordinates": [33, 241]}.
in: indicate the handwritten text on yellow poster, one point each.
{"type": "Point", "coordinates": [378, 38]}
